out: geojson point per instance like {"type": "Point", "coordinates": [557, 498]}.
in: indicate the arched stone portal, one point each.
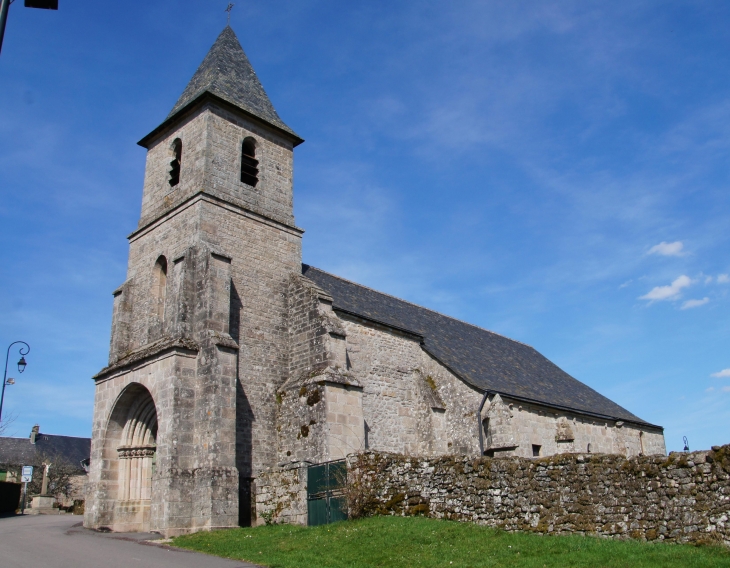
{"type": "Point", "coordinates": [130, 448]}
{"type": "Point", "coordinates": [137, 451]}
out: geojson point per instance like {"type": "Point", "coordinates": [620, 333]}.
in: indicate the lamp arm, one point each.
{"type": "Point", "coordinates": [23, 353]}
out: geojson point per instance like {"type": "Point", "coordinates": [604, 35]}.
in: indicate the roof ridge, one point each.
{"type": "Point", "coordinates": [419, 306]}
{"type": "Point", "coordinates": [64, 436]}
{"type": "Point", "coordinates": [44, 434]}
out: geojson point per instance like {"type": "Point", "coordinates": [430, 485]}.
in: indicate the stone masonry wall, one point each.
{"type": "Point", "coordinates": [682, 498]}
{"type": "Point", "coordinates": [384, 362]}
{"type": "Point", "coordinates": [319, 408]}
{"type": "Point", "coordinates": [302, 422]}
{"type": "Point", "coordinates": [230, 249]}
{"type": "Point", "coordinates": [532, 424]}
{"type": "Point", "coordinates": [281, 496]}
{"type": "Point", "coordinates": [263, 258]}
{"type": "Point", "coordinates": [311, 323]}
{"type": "Point", "coordinates": [345, 423]}
{"type": "Point", "coordinates": [211, 160]}
{"type": "Point", "coordinates": [273, 196]}
{"type": "Point", "coordinates": [260, 245]}
{"type": "Point", "coordinates": [319, 419]}
{"type": "Point", "coordinates": [396, 373]}
{"type": "Point", "coordinates": [165, 376]}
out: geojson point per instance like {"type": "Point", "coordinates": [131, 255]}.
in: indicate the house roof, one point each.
{"type": "Point", "coordinates": [227, 74]}
{"type": "Point", "coordinates": [19, 451]}
{"type": "Point", "coordinates": [483, 359]}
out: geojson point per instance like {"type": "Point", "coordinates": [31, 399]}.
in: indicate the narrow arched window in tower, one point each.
{"type": "Point", "coordinates": [160, 286]}
{"type": "Point", "coordinates": [175, 162]}
{"type": "Point", "coordinates": [249, 163]}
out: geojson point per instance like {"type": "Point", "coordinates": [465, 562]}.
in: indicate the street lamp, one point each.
{"type": "Point", "coordinates": [5, 6]}
{"type": "Point", "coordinates": [21, 367]}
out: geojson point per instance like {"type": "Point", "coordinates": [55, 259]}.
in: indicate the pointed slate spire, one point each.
{"type": "Point", "coordinates": [227, 73]}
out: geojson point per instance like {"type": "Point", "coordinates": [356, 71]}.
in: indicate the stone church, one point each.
{"type": "Point", "coordinates": [230, 358]}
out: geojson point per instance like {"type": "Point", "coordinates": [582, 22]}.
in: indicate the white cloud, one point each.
{"type": "Point", "coordinates": [709, 389]}
{"type": "Point", "coordinates": [625, 284]}
{"type": "Point", "coordinates": [725, 389]}
{"type": "Point", "coordinates": [667, 249]}
{"type": "Point", "coordinates": [695, 303]}
{"type": "Point", "coordinates": [708, 279]}
{"type": "Point", "coordinates": [670, 292]}
{"type": "Point", "coordinates": [722, 374]}
{"type": "Point", "coordinates": [723, 279]}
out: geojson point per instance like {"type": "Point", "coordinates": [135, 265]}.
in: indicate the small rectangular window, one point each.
{"type": "Point", "coordinates": [536, 450]}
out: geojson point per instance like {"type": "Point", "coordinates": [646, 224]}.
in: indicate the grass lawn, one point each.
{"type": "Point", "coordinates": [423, 543]}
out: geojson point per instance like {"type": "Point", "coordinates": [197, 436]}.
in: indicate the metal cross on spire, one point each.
{"type": "Point", "coordinates": [230, 7]}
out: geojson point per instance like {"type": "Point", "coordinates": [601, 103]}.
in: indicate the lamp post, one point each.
{"type": "Point", "coordinates": [5, 6]}
{"type": "Point", "coordinates": [21, 367]}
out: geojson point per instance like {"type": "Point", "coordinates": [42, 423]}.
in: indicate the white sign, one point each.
{"type": "Point", "coordinates": [27, 475]}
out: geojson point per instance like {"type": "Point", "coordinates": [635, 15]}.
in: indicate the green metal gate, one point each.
{"type": "Point", "coordinates": [325, 498]}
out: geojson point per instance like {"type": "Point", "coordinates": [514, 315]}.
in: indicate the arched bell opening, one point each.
{"type": "Point", "coordinates": [249, 163]}
{"type": "Point", "coordinates": [130, 452]}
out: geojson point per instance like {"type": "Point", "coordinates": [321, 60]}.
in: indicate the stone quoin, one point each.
{"type": "Point", "coordinates": [231, 359]}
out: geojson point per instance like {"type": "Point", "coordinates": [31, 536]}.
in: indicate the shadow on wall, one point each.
{"type": "Point", "coordinates": [244, 423]}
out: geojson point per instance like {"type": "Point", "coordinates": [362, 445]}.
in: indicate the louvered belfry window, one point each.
{"type": "Point", "coordinates": [249, 163]}
{"type": "Point", "coordinates": [175, 162]}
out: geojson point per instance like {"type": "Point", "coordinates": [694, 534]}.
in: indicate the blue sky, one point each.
{"type": "Point", "coordinates": [555, 172]}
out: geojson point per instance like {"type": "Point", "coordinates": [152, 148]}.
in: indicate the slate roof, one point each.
{"type": "Point", "coordinates": [227, 73]}
{"type": "Point", "coordinates": [483, 359]}
{"type": "Point", "coordinates": [19, 451]}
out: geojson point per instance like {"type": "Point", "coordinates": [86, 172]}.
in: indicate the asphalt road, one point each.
{"type": "Point", "coordinates": [59, 541]}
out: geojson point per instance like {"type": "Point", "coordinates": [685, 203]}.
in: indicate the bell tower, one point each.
{"type": "Point", "coordinates": [184, 413]}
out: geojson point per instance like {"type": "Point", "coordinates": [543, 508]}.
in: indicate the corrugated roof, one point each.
{"type": "Point", "coordinates": [227, 73]}
{"type": "Point", "coordinates": [485, 360]}
{"type": "Point", "coordinates": [20, 451]}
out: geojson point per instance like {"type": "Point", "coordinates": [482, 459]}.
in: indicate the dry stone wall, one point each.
{"type": "Point", "coordinates": [681, 498]}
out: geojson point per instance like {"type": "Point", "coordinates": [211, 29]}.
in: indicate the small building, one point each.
{"type": "Point", "coordinates": [39, 447]}
{"type": "Point", "coordinates": [230, 357]}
